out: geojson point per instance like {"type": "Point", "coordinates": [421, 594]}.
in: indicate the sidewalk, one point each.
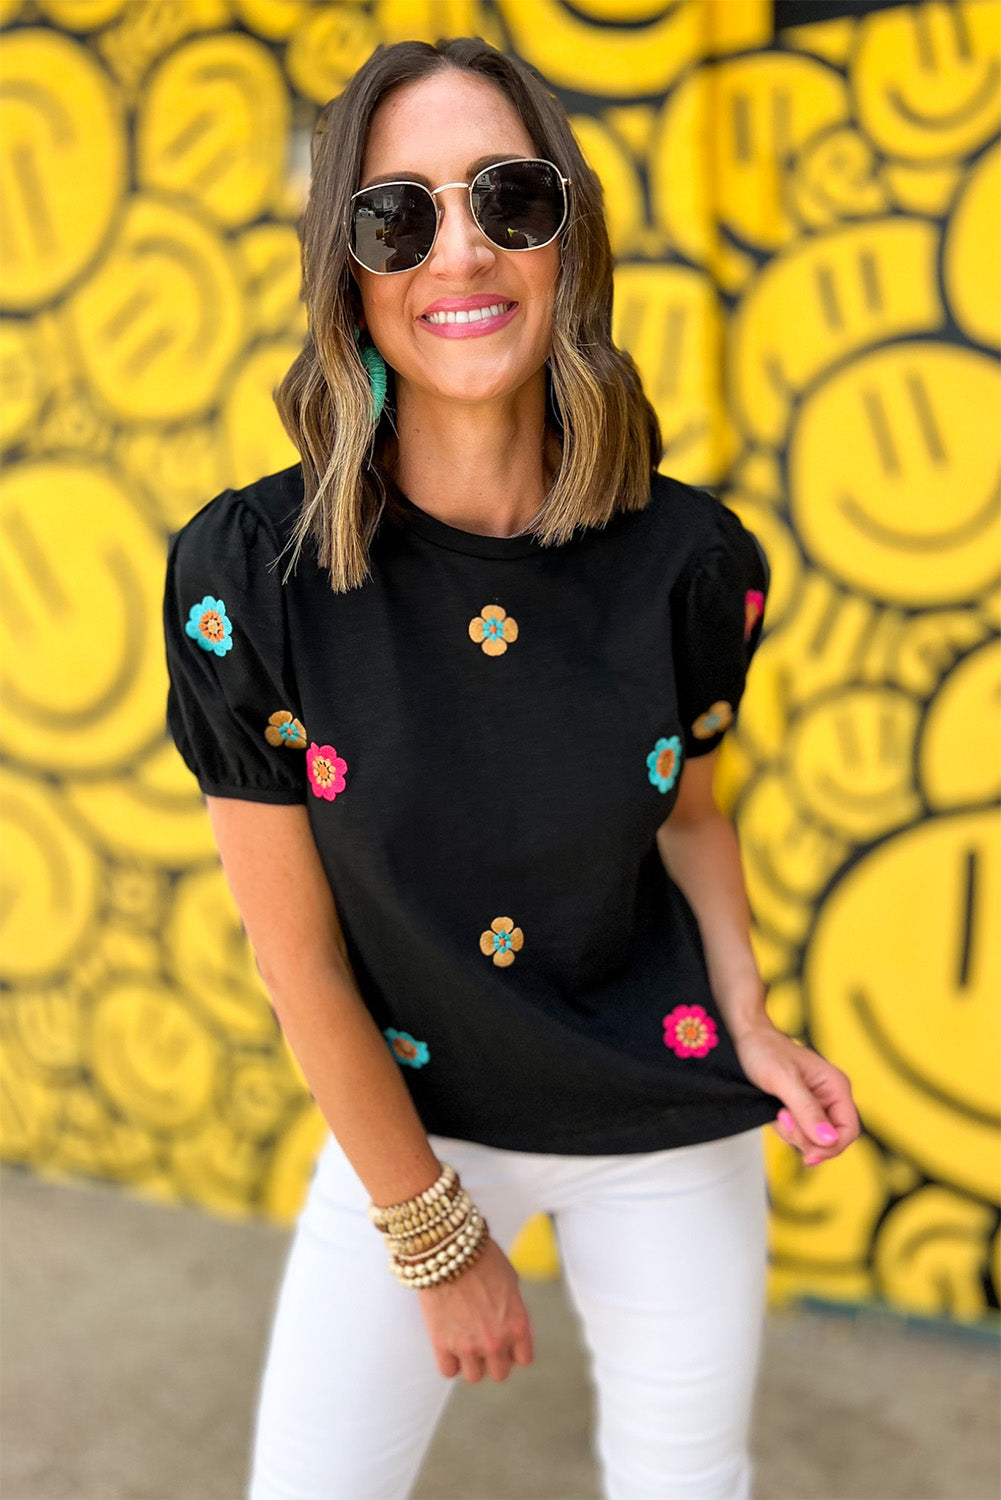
{"type": "Point", "coordinates": [132, 1336]}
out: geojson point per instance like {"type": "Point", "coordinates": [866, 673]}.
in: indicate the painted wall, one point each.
{"type": "Point", "coordinates": [807, 227]}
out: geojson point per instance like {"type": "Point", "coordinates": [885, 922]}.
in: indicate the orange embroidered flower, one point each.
{"type": "Point", "coordinates": [715, 718]}
{"type": "Point", "coordinates": [502, 941]}
{"type": "Point", "coordinates": [493, 629]}
{"type": "Point", "coordinates": [284, 730]}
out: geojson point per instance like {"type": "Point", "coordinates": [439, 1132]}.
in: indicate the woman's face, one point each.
{"type": "Point", "coordinates": [437, 130]}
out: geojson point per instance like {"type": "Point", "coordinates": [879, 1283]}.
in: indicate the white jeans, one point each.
{"type": "Point", "coordinates": [664, 1255]}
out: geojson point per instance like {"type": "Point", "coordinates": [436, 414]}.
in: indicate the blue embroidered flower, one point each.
{"type": "Point", "coordinates": [664, 762]}
{"type": "Point", "coordinates": [405, 1049]}
{"type": "Point", "coordinates": [209, 625]}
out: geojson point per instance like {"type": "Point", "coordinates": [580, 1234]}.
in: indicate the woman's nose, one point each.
{"type": "Point", "coordinates": [460, 244]}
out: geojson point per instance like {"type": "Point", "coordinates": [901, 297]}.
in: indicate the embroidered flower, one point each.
{"type": "Point", "coordinates": [406, 1049]}
{"type": "Point", "coordinates": [754, 608]}
{"type": "Point", "coordinates": [284, 730]}
{"type": "Point", "coordinates": [502, 941]}
{"type": "Point", "coordinates": [493, 628]}
{"type": "Point", "coordinates": [664, 762]}
{"type": "Point", "coordinates": [326, 771]}
{"type": "Point", "coordinates": [715, 718]}
{"type": "Point", "coordinates": [209, 625]}
{"type": "Point", "coordinates": [689, 1032]}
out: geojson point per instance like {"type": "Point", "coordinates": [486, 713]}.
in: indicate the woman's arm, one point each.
{"type": "Point", "coordinates": [478, 1324]}
{"type": "Point", "coordinates": [698, 845]}
{"type": "Point", "coordinates": [281, 890]}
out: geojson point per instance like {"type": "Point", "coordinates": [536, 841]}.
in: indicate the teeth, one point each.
{"type": "Point", "coordinates": [474, 314]}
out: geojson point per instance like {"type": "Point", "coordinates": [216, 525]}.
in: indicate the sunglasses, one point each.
{"type": "Point", "coordinates": [520, 204]}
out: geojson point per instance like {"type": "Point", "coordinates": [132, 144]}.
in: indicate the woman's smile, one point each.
{"type": "Point", "coordinates": [467, 317]}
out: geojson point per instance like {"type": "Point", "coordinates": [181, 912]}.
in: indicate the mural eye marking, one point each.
{"type": "Point", "coordinates": [889, 737]}
{"type": "Point", "coordinates": [879, 426]}
{"type": "Point", "coordinates": [964, 42]}
{"type": "Point", "coordinates": [872, 291]}
{"type": "Point", "coordinates": [925, 415]}
{"type": "Point", "coordinates": [971, 871]}
{"type": "Point", "coordinates": [742, 128]}
{"type": "Point", "coordinates": [36, 564]}
{"type": "Point", "coordinates": [828, 295]}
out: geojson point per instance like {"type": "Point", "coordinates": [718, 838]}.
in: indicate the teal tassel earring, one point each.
{"type": "Point", "coordinates": [375, 367]}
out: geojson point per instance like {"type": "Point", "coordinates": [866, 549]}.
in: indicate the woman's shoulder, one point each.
{"type": "Point", "coordinates": [239, 516]}
{"type": "Point", "coordinates": [698, 527]}
{"type": "Point", "coordinates": [689, 511]}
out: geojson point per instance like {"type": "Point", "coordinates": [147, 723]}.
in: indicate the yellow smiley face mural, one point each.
{"type": "Point", "coordinates": [908, 511]}
{"type": "Point", "coordinates": [912, 997]}
{"type": "Point", "coordinates": [806, 235]}
{"type": "Point", "coordinates": [927, 78]}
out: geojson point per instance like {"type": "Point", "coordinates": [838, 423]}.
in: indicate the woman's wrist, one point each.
{"type": "Point", "coordinates": [744, 1010]}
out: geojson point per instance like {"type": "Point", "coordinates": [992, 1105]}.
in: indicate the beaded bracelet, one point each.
{"type": "Point", "coordinates": [444, 1265]}
{"type": "Point", "coordinates": [411, 1207]}
{"type": "Point", "coordinates": [403, 1255]}
{"type": "Point", "coordinates": [434, 1236]}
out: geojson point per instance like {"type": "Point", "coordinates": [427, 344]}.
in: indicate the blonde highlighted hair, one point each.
{"type": "Point", "coordinates": [606, 428]}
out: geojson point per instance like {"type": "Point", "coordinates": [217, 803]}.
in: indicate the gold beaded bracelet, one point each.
{"type": "Point", "coordinates": [434, 1236]}
{"type": "Point", "coordinates": [420, 1219]}
{"type": "Point", "coordinates": [410, 1242]}
{"type": "Point", "coordinates": [459, 1235]}
{"type": "Point", "coordinates": [449, 1266]}
{"type": "Point", "coordinates": [412, 1207]}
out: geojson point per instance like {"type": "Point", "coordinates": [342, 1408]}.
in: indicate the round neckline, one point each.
{"type": "Point", "coordinates": [474, 543]}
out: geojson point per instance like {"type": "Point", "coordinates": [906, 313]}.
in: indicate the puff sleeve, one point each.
{"type": "Point", "coordinates": [232, 707]}
{"type": "Point", "coordinates": [717, 611]}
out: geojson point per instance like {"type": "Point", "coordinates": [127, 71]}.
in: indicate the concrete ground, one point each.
{"type": "Point", "coordinates": [132, 1336]}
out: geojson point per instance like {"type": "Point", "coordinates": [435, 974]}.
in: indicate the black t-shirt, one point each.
{"type": "Point", "coordinates": [487, 735]}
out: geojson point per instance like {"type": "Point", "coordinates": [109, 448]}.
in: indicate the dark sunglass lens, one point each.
{"type": "Point", "coordinates": [519, 205]}
{"type": "Point", "coordinates": [393, 226]}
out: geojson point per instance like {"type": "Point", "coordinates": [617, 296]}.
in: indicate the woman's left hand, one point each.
{"type": "Point", "coordinates": [819, 1118]}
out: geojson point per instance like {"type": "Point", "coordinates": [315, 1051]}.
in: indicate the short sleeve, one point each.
{"type": "Point", "coordinates": [718, 607]}
{"type": "Point", "coordinates": [232, 707]}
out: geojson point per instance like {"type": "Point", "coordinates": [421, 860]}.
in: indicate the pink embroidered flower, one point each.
{"type": "Point", "coordinates": [326, 771]}
{"type": "Point", "coordinates": [754, 608]}
{"type": "Point", "coordinates": [689, 1032]}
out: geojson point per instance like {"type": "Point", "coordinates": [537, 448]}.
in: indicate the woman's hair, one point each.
{"type": "Point", "coordinates": [608, 431]}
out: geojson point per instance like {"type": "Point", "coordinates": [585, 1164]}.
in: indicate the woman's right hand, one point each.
{"type": "Point", "coordinates": [478, 1322]}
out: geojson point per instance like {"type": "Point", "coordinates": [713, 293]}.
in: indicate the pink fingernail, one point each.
{"type": "Point", "coordinates": [811, 1161]}
{"type": "Point", "coordinates": [785, 1119]}
{"type": "Point", "coordinates": [826, 1134]}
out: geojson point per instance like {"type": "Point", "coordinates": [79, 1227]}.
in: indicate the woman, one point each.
{"type": "Point", "coordinates": [442, 684]}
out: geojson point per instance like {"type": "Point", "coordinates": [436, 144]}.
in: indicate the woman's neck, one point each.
{"type": "Point", "coordinates": [485, 468]}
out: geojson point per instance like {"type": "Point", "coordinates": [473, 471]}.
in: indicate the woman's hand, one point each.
{"type": "Point", "coordinates": [478, 1322]}
{"type": "Point", "coordinates": [819, 1118]}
